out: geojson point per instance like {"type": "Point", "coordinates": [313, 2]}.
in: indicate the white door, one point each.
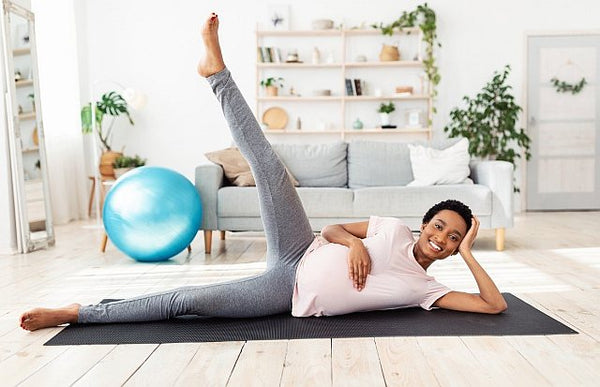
{"type": "Point", "coordinates": [564, 170]}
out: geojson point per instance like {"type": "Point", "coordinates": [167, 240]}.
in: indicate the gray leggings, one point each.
{"type": "Point", "coordinates": [287, 231]}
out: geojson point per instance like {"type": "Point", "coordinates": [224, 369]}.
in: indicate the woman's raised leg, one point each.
{"type": "Point", "coordinates": [286, 226]}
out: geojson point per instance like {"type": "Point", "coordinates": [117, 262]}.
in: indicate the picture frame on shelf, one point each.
{"type": "Point", "coordinates": [278, 17]}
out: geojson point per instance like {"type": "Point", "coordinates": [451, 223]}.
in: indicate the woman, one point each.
{"type": "Point", "coordinates": [385, 267]}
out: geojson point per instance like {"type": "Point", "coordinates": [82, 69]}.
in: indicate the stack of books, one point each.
{"type": "Point", "coordinates": [354, 86]}
{"type": "Point", "coordinates": [268, 55]}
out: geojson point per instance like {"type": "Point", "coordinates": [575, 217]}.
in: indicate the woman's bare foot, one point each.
{"type": "Point", "coordinates": [43, 318]}
{"type": "Point", "coordinates": [213, 61]}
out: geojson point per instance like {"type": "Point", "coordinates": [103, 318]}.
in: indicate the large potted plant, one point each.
{"type": "Point", "coordinates": [110, 104]}
{"type": "Point", "coordinates": [489, 122]}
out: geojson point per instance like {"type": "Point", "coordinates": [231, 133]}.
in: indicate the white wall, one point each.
{"type": "Point", "coordinates": [155, 47]}
{"type": "Point", "coordinates": [58, 66]}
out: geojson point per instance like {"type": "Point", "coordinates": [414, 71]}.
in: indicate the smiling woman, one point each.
{"type": "Point", "coordinates": [448, 228]}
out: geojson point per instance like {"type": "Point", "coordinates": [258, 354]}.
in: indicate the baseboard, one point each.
{"type": "Point", "coordinates": [7, 249]}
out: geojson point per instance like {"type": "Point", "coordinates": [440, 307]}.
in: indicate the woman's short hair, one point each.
{"type": "Point", "coordinates": [453, 205]}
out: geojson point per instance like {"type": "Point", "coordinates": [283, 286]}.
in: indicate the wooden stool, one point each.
{"type": "Point", "coordinates": [103, 179]}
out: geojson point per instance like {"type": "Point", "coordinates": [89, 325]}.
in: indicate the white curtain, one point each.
{"type": "Point", "coordinates": [59, 88]}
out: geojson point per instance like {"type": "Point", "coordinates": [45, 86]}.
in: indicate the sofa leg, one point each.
{"type": "Point", "coordinates": [207, 241]}
{"type": "Point", "coordinates": [500, 239]}
{"type": "Point", "coordinates": [222, 235]}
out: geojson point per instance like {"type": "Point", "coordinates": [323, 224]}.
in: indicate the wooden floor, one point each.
{"type": "Point", "coordinates": [552, 260]}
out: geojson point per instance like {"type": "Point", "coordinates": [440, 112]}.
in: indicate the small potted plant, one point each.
{"type": "Point", "coordinates": [123, 164]}
{"type": "Point", "coordinates": [272, 85]}
{"type": "Point", "coordinates": [384, 112]}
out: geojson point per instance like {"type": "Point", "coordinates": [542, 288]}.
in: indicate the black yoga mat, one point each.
{"type": "Point", "coordinates": [520, 319]}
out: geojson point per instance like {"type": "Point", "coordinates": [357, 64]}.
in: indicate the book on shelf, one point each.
{"type": "Point", "coordinates": [268, 54]}
{"type": "Point", "coordinates": [357, 87]}
{"type": "Point", "coordinates": [349, 88]}
{"type": "Point", "coordinates": [276, 54]}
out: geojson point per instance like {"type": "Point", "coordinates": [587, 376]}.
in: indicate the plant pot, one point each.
{"type": "Point", "coordinates": [106, 163]}
{"type": "Point", "coordinates": [384, 118]}
{"type": "Point", "coordinates": [272, 91]}
{"type": "Point", "coordinates": [121, 171]}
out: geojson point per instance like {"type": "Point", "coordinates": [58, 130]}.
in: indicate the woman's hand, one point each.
{"type": "Point", "coordinates": [359, 264]}
{"type": "Point", "coordinates": [467, 242]}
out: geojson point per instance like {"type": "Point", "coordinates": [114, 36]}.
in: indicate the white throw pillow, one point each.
{"type": "Point", "coordinates": [434, 166]}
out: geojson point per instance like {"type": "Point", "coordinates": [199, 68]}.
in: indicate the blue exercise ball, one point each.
{"type": "Point", "coordinates": [152, 213]}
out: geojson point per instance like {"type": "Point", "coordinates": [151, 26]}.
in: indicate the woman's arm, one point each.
{"type": "Point", "coordinates": [489, 299]}
{"type": "Point", "coordinates": [350, 235]}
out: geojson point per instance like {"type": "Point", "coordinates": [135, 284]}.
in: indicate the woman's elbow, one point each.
{"type": "Point", "coordinates": [498, 308]}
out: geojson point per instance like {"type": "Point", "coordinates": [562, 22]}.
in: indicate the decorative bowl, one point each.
{"type": "Point", "coordinates": [322, 93]}
{"type": "Point", "coordinates": [322, 24]}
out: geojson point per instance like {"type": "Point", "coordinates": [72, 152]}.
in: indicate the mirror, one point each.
{"type": "Point", "coordinates": [26, 131]}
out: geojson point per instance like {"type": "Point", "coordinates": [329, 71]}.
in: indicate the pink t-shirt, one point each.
{"type": "Point", "coordinates": [396, 279]}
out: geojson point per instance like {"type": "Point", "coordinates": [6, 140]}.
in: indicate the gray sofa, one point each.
{"type": "Point", "coordinates": [347, 182]}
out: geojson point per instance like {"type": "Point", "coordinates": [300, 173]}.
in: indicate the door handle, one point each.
{"type": "Point", "coordinates": [532, 121]}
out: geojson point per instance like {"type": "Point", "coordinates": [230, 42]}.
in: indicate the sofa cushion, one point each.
{"type": "Point", "coordinates": [440, 166]}
{"type": "Point", "coordinates": [376, 164]}
{"type": "Point", "coordinates": [236, 167]}
{"type": "Point", "coordinates": [320, 165]}
{"type": "Point", "coordinates": [415, 201]}
{"type": "Point", "coordinates": [317, 201]}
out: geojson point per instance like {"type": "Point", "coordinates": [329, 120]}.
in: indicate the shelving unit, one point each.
{"type": "Point", "coordinates": [345, 107]}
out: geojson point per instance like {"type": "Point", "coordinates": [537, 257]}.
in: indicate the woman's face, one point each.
{"type": "Point", "coordinates": [441, 237]}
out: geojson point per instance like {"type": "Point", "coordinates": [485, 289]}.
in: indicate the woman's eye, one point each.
{"type": "Point", "coordinates": [454, 238]}
{"type": "Point", "coordinates": [438, 226]}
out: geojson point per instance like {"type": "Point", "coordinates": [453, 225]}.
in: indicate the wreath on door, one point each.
{"type": "Point", "coordinates": [566, 87]}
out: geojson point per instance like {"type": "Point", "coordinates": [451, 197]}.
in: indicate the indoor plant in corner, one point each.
{"type": "Point", "coordinates": [489, 123]}
{"type": "Point", "coordinates": [114, 105]}
{"type": "Point", "coordinates": [124, 164]}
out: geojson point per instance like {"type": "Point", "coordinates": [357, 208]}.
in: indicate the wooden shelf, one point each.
{"type": "Point", "coordinates": [21, 51]}
{"type": "Point", "coordinates": [377, 31]}
{"type": "Point", "coordinates": [299, 99]}
{"type": "Point", "coordinates": [388, 131]}
{"type": "Point", "coordinates": [302, 131]}
{"type": "Point", "coordinates": [349, 131]}
{"type": "Point", "coordinates": [336, 32]}
{"type": "Point", "coordinates": [27, 116]}
{"type": "Point", "coordinates": [386, 97]}
{"type": "Point", "coordinates": [357, 98]}
{"type": "Point", "coordinates": [297, 33]}
{"type": "Point", "coordinates": [297, 65]}
{"type": "Point", "coordinates": [395, 63]}
{"type": "Point", "coordinates": [24, 82]}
